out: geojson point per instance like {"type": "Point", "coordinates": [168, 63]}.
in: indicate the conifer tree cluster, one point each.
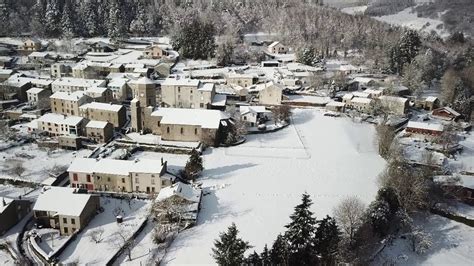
{"type": "Point", "coordinates": [306, 241]}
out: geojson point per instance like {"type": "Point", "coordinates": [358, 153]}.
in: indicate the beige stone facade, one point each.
{"type": "Point", "coordinates": [66, 103]}
{"type": "Point", "coordinates": [154, 51]}
{"type": "Point", "coordinates": [113, 113]}
{"type": "Point", "coordinates": [99, 131]}
{"type": "Point", "coordinates": [187, 93]}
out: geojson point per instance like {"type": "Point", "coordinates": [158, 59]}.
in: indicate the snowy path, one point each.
{"type": "Point", "coordinates": [257, 184]}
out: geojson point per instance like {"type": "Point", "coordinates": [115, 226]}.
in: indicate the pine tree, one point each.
{"type": "Point", "coordinates": [139, 23]}
{"type": "Point", "coordinates": [300, 234]}
{"type": "Point", "coordinates": [4, 17]}
{"type": "Point", "coordinates": [462, 102]}
{"type": "Point", "coordinates": [265, 256]}
{"type": "Point", "coordinates": [52, 18]}
{"type": "Point", "coordinates": [116, 24]}
{"type": "Point", "coordinates": [68, 23]}
{"type": "Point", "coordinates": [379, 216]}
{"type": "Point", "coordinates": [254, 260]}
{"type": "Point", "coordinates": [38, 17]}
{"type": "Point", "coordinates": [91, 18]}
{"type": "Point", "coordinates": [193, 166]}
{"type": "Point", "coordinates": [229, 249]}
{"type": "Point", "coordinates": [327, 239]}
{"type": "Point", "coordinates": [279, 254]}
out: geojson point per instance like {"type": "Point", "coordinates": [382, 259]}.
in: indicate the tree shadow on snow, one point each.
{"type": "Point", "coordinates": [218, 172]}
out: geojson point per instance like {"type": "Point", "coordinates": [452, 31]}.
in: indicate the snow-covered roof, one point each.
{"type": "Point", "coordinates": [348, 67]}
{"type": "Point", "coordinates": [361, 100]}
{"type": "Point", "coordinates": [458, 180]}
{"type": "Point", "coordinates": [102, 106]}
{"type": "Point", "coordinates": [400, 100]}
{"type": "Point", "coordinates": [126, 75]}
{"type": "Point", "coordinates": [96, 124]}
{"type": "Point", "coordinates": [35, 90]}
{"type": "Point", "coordinates": [7, 201]}
{"type": "Point", "coordinates": [68, 96]}
{"type": "Point", "coordinates": [361, 94]}
{"type": "Point", "coordinates": [449, 110]}
{"type": "Point", "coordinates": [197, 117]}
{"type": "Point", "coordinates": [73, 120]}
{"type": "Point", "coordinates": [273, 44]}
{"type": "Point", "coordinates": [117, 167]}
{"type": "Point", "coordinates": [373, 91]}
{"type": "Point", "coordinates": [219, 100]}
{"type": "Point", "coordinates": [60, 119]}
{"type": "Point", "coordinates": [61, 200]}
{"type": "Point", "coordinates": [431, 99]}
{"type": "Point", "coordinates": [348, 96]}
{"type": "Point", "coordinates": [78, 82]}
{"type": "Point", "coordinates": [96, 90]}
{"type": "Point", "coordinates": [180, 82]}
{"type": "Point", "coordinates": [117, 82]}
{"type": "Point", "coordinates": [206, 87]}
{"type": "Point", "coordinates": [335, 104]}
{"type": "Point", "coordinates": [263, 86]}
{"type": "Point", "coordinates": [142, 81]}
{"type": "Point", "coordinates": [6, 71]}
{"type": "Point", "coordinates": [427, 126]}
{"type": "Point", "coordinates": [252, 109]}
{"type": "Point", "coordinates": [182, 190]}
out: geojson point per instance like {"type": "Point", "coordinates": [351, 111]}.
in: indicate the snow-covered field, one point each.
{"type": "Point", "coordinates": [409, 19]}
{"type": "Point", "coordinates": [453, 244]}
{"type": "Point", "coordinates": [257, 184]}
{"type": "Point", "coordinates": [83, 250]}
{"type": "Point", "coordinates": [36, 161]}
{"type": "Point", "coordinates": [6, 258]}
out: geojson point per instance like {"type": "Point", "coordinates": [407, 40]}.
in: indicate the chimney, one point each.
{"type": "Point", "coordinates": [161, 160]}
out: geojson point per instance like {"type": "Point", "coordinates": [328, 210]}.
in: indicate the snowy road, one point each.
{"type": "Point", "coordinates": [257, 184]}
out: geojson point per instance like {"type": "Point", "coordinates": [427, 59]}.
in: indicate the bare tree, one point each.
{"type": "Point", "coordinates": [420, 241]}
{"type": "Point", "coordinates": [349, 214]}
{"type": "Point", "coordinates": [125, 241]}
{"type": "Point", "coordinates": [281, 113]}
{"type": "Point", "coordinates": [385, 136]}
{"type": "Point", "coordinates": [96, 235]}
{"type": "Point", "coordinates": [170, 210]}
{"type": "Point", "coordinates": [18, 169]}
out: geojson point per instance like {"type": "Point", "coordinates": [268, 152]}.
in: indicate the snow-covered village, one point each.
{"type": "Point", "coordinates": [236, 132]}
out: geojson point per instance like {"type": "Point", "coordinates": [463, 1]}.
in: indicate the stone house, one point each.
{"type": "Point", "coordinates": [243, 80]}
{"type": "Point", "coordinates": [101, 47]}
{"type": "Point", "coordinates": [58, 125]}
{"type": "Point", "coordinates": [251, 115]}
{"type": "Point", "coordinates": [336, 107]}
{"type": "Point", "coordinates": [446, 113]}
{"type": "Point", "coordinates": [277, 48]}
{"type": "Point", "coordinates": [364, 105]}
{"type": "Point", "coordinates": [59, 70]}
{"type": "Point", "coordinates": [15, 87]}
{"type": "Point", "coordinates": [121, 91]}
{"type": "Point", "coordinates": [32, 45]}
{"type": "Point", "coordinates": [269, 93]}
{"type": "Point", "coordinates": [155, 52]}
{"type": "Point", "coordinates": [39, 97]}
{"type": "Point", "coordinates": [67, 103]}
{"type": "Point", "coordinates": [11, 212]}
{"type": "Point", "coordinates": [140, 175]}
{"type": "Point", "coordinates": [394, 105]}
{"type": "Point", "coordinates": [115, 114]}
{"type": "Point", "coordinates": [99, 131]}
{"type": "Point", "coordinates": [179, 124]}
{"type": "Point", "coordinates": [187, 93]}
{"type": "Point", "coordinates": [75, 84]}
{"type": "Point", "coordinates": [65, 209]}
{"type": "Point", "coordinates": [423, 128]}
{"type": "Point", "coordinates": [99, 94]}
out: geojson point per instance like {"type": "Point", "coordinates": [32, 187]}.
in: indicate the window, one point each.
{"type": "Point", "coordinates": [201, 105]}
{"type": "Point", "coordinates": [108, 179]}
{"type": "Point", "coordinates": [88, 178]}
{"type": "Point", "coordinates": [136, 180]}
{"type": "Point", "coordinates": [73, 221]}
{"type": "Point", "coordinates": [195, 131]}
{"type": "Point", "coordinates": [152, 181]}
{"type": "Point", "coordinates": [182, 131]}
{"type": "Point", "coordinates": [65, 230]}
{"type": "Point", "coordinates": [159, 124]}
{"type": "Point", "coordinates": [137, 188]}
{"type": "Point", "coordinates": [64, 220]}
{"type": "Point", "coordinates": [168, 130]}
{"type": "Point", "coordinates": [74, 177]}
{"type": "Point", "coordinates": [179, 89]}
{"type": "Point", "coordinates": [163, 182]}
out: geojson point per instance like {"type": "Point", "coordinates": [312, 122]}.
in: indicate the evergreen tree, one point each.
{"type": "Point", "coordinates": [307, 56]}
{"type": "Point", "coordinates": [38, 17]}
{"type": "Point", "coordinates": [5, 8]}
{"type": "Point", "coordinates": [229, 249]}
{"type": "Point", "coordinates": [91, 18]}
{"type": "Point", "coordinates": [68, 23]}
{"type": "Point", "coordinates": [462, 102]}
{"type": "Point", "coordinates": [265, 256]}
{"type": "Point", "coordinates": [327, 239]}
{"type": "Point", "coordinates": [279, 254]}
{"type": "Point", "coordinates": [193, 166]}
{"type": "Point", "coordinates": [52, 18]}
{"type": "Point", "coordinates": [254, 260]}
{"type": "Point", "coordinates": [116, 24]}
{"type": "Point", "coordinates": [379, 216]}
{"type": "Point", "coordinates": [139, 23]}
{"type": "Point", "coordinates": [404, 51]}
{"type": "Point", "coordinates": [194, 38]}
{"type": "Point", "coordinates": [300, 234]}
